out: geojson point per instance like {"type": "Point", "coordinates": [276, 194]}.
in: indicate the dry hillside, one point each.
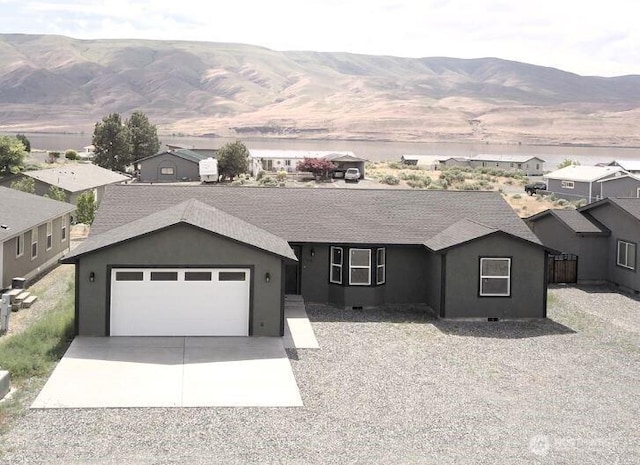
{"type": "Point", "coordinates": [54, 83]}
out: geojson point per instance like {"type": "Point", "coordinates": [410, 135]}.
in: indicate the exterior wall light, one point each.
{"type": "Point", "coordinates": [313, 252]}
{"type": "Point", "coordinates": [92, 277]}
{"type": "Point", "coordinates": [267, 277]}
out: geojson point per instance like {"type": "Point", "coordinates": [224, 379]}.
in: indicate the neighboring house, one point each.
{"type": "Point", "coordinates": [74, 179]}
{"type": "Point", "coordinates": [425, 161]}
{"type": "Point", "coordinates": [34, 233]}
{"type": "Point", "coordinates": [604, 235]}
{"type": "Point", "coordinates": [453, 162]}
{"type": "Point", "coordinates": [88, 152]}
{"type": "Point", "coordinates": [530, 166]}
{"type": "Point", "coordinates": [625, 185]}
{"type": "Point", "coordinates": [287, 160]}
{"type": "Point", "coordinates": [172, 165]}
{"type": "Point", "coordinates": [630, 166]}
{"type": "Point", "coordinates": [575, 182]}
{"type": "Point", "coordinates": [197, 260]}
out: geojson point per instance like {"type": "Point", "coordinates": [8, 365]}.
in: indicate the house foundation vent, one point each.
{"type": "Point", "coordinates": [357, 307]}
{"type": "Point", "coordinates": [493, 319]}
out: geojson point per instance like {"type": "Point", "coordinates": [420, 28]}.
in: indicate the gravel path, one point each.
{"type": "Point", "coordinates": [400, 388]}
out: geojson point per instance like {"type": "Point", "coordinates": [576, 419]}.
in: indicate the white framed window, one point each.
{"type": "Point", "coordinates": [335, 271]}
{"type": "Point", "coordinates": [49, 235]}
{"type": "Point", "coordinates": [34, 243]}
{"type": "Point", "coordinates": [20, 245]}
{"type": "Point", "coordinates": [567, 184]}
{"type": "Point", "coordinates": [638, 192]}
{"type": "Point", "coordinates": [287, 163]}
{"type": "Point", "coordinates": [63, 229]}
{"type": "Point", "coordinates": [167, 170]}
{"type": "Point", "coordinates": [495, 277]}
{"type": "Point", "coordinates": [359, 267]}
{"type": "Point", "coordinates": [381, 265]}
{"type": "Point", "coordinates": [626, 255]}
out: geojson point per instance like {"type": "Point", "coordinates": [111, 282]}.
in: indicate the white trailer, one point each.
{"type": "Point", "coordinates": [208, 169]}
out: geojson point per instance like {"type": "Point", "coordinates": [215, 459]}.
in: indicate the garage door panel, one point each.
{"type": "Point", "coordinates": [179, 302]}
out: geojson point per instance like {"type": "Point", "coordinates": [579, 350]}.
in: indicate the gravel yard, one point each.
{"type": "Point", "coordinates": [399, 387]}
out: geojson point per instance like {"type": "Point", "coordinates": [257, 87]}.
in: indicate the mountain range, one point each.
{"type": "Point", "coordinates": [59, 84]}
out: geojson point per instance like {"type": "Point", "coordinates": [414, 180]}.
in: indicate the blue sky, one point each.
{"type": "Point", "coordinates": [589, 37]}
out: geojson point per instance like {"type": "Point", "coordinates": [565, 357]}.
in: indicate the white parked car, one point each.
{"type": "Point", "coordinates": [352, 174]}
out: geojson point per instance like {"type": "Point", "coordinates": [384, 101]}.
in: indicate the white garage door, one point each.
{"type": "Point", "coordinates": [180, 302]}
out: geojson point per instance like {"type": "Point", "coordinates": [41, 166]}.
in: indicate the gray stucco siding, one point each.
{"type": "Point", "coordinates": [590, 249]}
{"type": "Point", "coordinates": [527, 294]}
{"type": "Point", "coordinates": [180, 246]}
{"type": "Point", "coordinates": [25, 266]}
{"type": "Point", "coordinates": [620, 187]}
{"type": "Point", "coordinates": [150, 169]}
{"type": "Point", "coordinates": [623, 227]}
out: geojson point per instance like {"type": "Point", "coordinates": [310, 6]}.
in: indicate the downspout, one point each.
{"type": "Point", "coordinates": [590, 189]}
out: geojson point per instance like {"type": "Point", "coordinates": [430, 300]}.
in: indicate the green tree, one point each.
{"type": "Point", "coordinates": [111, 140]}
{"type": "Point", "coordinates": [11, 154]}
{"type": "Point", "coordinates": [233, 159]}
{"type": "Point", "coordinates": [567, 162]}
{"type": "Point", "coordinates": [143, 136]}
{"type": "Point", "coordinates": [25, 184]}
{"type": "Point", "coordinates": [71, 155]}
{"type": "Point", "coordinates": [27, 145]}
{"type": "Point", "coordinates": [56, 193]}
{"type": "Point", "coordinates": [86, 207]}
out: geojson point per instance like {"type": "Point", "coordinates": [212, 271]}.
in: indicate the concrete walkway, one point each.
{"type": "Point", "coordinates": [298, 333]}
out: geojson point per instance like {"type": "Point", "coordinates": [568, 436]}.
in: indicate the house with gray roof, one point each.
{"type": "Point", "coordinates": [630, 166]}
{"type": "Point", "coordinates": [527, 164]}
{"type": "Point", "coordinates": [287, 160]}
{"type": "Point", "coordinates": [215, 260]}
{"type": "Point", "coordinates": [580, 182]}
{"type": "Point", "coordinates": [624, 185]}
{"type": "Point", "coordinates": [34, 234]}
{"type": "Point", "coordinates": [173, 165]}
{"type": "Point", "coordinates": [603, 235]}
{"type": "Point", "coordinates": [74, 179]}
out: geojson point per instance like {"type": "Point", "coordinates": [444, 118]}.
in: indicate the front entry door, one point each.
{"type": "Point", "coordinates": [292, 274]}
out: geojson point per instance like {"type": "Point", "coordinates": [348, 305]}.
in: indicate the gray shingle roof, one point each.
{"type": "Point", "coordinates": [360, 216]}
{"type": "Point", "coordinates": [578, 222]}
{"type": "Point", "coordinates": [77, 177]}
{"type": "Point", "coordinates": [194, 213]}
{"type": "Point", "coordinates": [631, 205]}
{"type": "Point", "coordinates": [186, 154]}
{"type": "Point", "coordinates": [458, 233]}
{"type": "Point", "coordinates": [20, 211]}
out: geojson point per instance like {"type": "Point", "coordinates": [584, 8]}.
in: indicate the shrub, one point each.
{"type": "Point", "coordinates": [268, 181]}
{"type": "Point", "coordinates": [281, 176]}
{"type": "Point", "coordinates": [395, 165]}
{"type": "Point", "coordinates": [469, 186]}
{"type": "Point", "coordinates": [509, 182]}
{"type": "Point", "coordinates": [390, 180]}
{"type": "Point", "coordinates": [517, 196]}
{"type": "Point", "coordinates": [561, 202]}
{"type": "Point", "coordinates": [260, 175]}
{"type": "Point", "coordinates": [452, 176]}
{"type": "Point", "coordinates": [237, 182]}
{"type": "Point", "coordinates": [71, 155]}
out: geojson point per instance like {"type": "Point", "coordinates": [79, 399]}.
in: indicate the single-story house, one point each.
{"type": "Point", "coordinates": [74, 179]}
{"type": "Point", "coordinates": [453, 162]}
{"type": "Point", "coordinates": [287, 160]}
{"type": "Point", "coordinates": [604, 236]}
{"type": "Point", "coordinates": [34, 233]}
{"type": "Point", "coordinates": [198, 260]}
{"type": "Point", "coordinates": [530, 166]}
{"type": "Point", "coordinates": [575, 182]}
{"type": "Point", "coordinates": [625, 185]}
{"type": "Point", "coordinates": [426, 161]}
{"type": "Point", "coordinates": [630, 166]}
{"type": "Point", "coordinates": [172, 165]}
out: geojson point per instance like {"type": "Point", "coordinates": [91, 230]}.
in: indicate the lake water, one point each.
{"type": "Point", "coordinates": [374, 151]}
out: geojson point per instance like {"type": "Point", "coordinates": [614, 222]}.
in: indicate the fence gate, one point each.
{"type": "Point", "coordinates": [563, 268]}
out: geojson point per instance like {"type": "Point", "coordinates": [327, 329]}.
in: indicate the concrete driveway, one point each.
{"type": "Point", "coordinates": [172, 372]}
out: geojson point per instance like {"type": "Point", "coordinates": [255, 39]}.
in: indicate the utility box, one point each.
{"type": "Point", "coordinates": [5, 311]}
{"type": "Point", "coordinates": [18, 283]}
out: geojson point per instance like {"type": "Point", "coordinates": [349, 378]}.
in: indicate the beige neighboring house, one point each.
{"type": "Point", "coordinates": [34, 234]}
{"type": "Point", "coordinates": [530, 166]}
{"type": "Point", "coordinates": [74, 179]}
{"type": "Point", "coordinates": [287, 160]}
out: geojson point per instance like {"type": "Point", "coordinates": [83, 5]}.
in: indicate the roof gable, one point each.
{"type": "Point", "coordinates": [362, 216]}
{"type": "Point", "coordinates": [574, 220]}
{"type": "Point", "coordinates": [186, 154]}
{"type": "Point", "coordinates": [629, 205]}
{"type": "Point", "coordinates": [194, 213]}
{"type": "Point", "coordinates": [458, 233]}
{"type": "Point", "coordinates": [20, 211]}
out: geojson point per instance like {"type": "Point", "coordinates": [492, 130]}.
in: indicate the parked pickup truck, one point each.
{"type": "Point", "coordinates": [533, 188]}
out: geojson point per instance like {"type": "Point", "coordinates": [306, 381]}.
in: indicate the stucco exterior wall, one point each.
{"type": "Point", "coordinates": [591, 250]}
{"type": "Point", "coordinates": [181, 245]}
{"type": "Point", "coordinates": [621, 187]}
{"type": "Point", "coordinates": [183, 169]}
{"type": "Point", "coordinates": [24, 266]}
{"type": "Point", "coordinates": [528, 286]}
{"type": "Point", "coordinates": [623, 227]}
{"type": "Point", "coordinates": [579, 191]}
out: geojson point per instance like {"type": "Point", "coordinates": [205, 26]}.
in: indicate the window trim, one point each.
{"type": "Point", "coordinates": [338, 265]}
{"type": "Point", "coordinates": [163, 168]}
{"type": "Point", "coordinates": [351, 267]}
{"type": "Point", "coordinates": [49, 238]}
{"type": "Point", "coordinates": [63, 229]}
{"type": "Point", "coordinates": [567, 184]}
{"type": "Point", "coordinates": [507, 277]}
{"type": "Point", "coordinates": [382, 266]}
{"type": "Point", "coordinates": [635, 252]}
{"type": "Point", "coordinates": [34, 241]}
{"type": "Point", "coordinates": [20, 242]}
